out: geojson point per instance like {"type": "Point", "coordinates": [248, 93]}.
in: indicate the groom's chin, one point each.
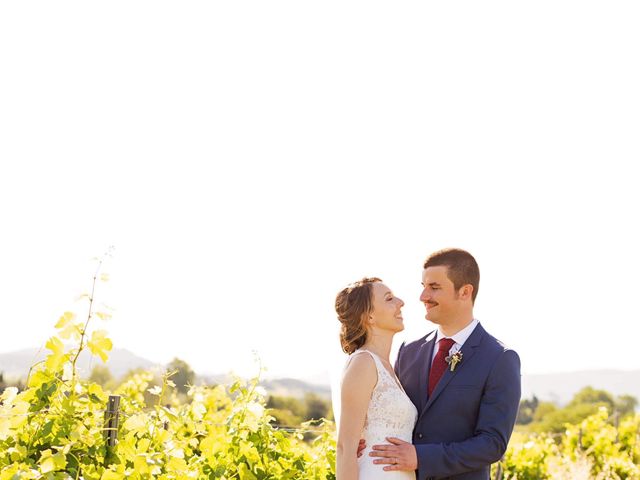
{"type": "Point", "coordinates": [430, 318]}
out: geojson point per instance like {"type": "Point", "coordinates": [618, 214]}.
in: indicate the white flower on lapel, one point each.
{"type": "Point", "coordinates": [454, 360]}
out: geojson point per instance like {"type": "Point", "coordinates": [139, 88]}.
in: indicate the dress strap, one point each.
{"type": "Point", "coordinates": [357, 352]}
{"type": "Point", "coordinates": [380, 366]}
{"type": "Point", "coordinates": [376, 360]}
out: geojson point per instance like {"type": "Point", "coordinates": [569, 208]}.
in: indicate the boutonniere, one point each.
{"type": "Point", "coordinates": [454, 360]}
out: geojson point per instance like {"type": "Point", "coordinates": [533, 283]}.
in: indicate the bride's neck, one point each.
{"type": "Point", "coordinates": [379, 344]}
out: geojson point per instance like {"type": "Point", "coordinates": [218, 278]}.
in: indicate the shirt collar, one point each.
{"type": "Point", "coordinates": [461, 336]}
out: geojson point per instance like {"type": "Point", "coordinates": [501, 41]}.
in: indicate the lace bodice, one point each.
{"type": "Point", "coordinates": [390, 414]}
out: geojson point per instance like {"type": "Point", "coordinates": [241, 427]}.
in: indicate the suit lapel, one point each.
{"type": "Point", "coordinates": [468, 350]}
{"type": "Point", "coordinates": [426, 355]}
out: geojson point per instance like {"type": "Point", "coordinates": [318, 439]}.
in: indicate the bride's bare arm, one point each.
{"type": "Point", "coordinates": [359, 379]}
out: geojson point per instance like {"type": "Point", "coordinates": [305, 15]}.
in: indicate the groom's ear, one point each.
{"type": "Point", "coordinates": [466, 292]}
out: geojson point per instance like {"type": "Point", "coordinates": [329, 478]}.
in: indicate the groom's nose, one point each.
{"type": "Point", "coordinates": [424, 296]}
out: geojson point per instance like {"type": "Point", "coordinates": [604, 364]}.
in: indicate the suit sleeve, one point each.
{"type": "Point", "coordinates": [496, 418]}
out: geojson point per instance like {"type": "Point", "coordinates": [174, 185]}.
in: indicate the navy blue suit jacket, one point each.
{"type": "Point", "coordinates": [465, 425]}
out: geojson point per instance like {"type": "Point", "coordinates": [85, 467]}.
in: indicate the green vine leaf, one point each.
{"type": "Point", "coordinates": [100, 344]}
{"type": "Point", "coordinates": [57, 357]}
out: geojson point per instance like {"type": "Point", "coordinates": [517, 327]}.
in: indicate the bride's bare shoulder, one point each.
{"type": "Point", "coordinates": [360, 371]}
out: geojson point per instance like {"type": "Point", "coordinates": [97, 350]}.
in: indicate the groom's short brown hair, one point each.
{"type": "Point", "coordinates": [462, 268]}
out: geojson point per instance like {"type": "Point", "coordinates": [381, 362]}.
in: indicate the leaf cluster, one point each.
{"type": "Point", "coordinates": [593, 448]}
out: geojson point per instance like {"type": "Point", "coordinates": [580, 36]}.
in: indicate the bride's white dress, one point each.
{"type": "Point", "coordinates": [390, 414]}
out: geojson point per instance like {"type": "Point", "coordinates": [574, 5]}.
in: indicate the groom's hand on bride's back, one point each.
{"type": "Point", "coordinates": [361, 446]}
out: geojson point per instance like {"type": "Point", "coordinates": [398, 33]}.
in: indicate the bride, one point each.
{"type": "Point", "coordinates": [373, 403]}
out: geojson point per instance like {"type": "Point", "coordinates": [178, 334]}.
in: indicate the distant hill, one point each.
{"type": "Point", "coordinates": [556, 387]}
{"type": "Point", "coordinates": [284, 387]}
{"type": "Point", "coordinates": [560, 387]}
{"type": "Point", "coordinates": [16, 364]}
{"type": "Point", "coordinates": [290, 387]}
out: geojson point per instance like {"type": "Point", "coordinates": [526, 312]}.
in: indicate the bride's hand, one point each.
{"type": "Point", "coordinates": [400, 455]}
{"type": "Point", "coordinates": [361, 446]}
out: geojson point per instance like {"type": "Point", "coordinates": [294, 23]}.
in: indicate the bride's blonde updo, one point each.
{"type": "Point", "coordinates": [353, 304]}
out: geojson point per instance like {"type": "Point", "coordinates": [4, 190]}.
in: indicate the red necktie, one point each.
{"type": "Point", "coordinates": [439, 364]}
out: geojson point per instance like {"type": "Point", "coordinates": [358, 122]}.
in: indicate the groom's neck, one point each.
{"type": "Point", "coordinates": [458, 324]}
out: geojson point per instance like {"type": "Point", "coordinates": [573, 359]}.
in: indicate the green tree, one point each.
{"type": "Point", "coordinates": [294, 405]}
{"type": "Point", "coordinates": [626, 405]}
{"type": "Point", "coordinates": [288, 411]}
{"type": "Point", "coordinates": [102, 376]}
{"type": "Point", "coordinates": [586, 402]}
{"type": "Point", "coordinates": [285, 418]}
{"type": "Point", "coordinates": [316, 407]}
{"type": "Point", "coordinates": [543, 409]}
{"type": "Point", "coordinates": [527, 409]}
{"type": "Point", "coordinates": [184, 376]}
{"type": "Point", "coordinates": [590, 395]}
{"type": "Point", "coordinates": [556, 420]}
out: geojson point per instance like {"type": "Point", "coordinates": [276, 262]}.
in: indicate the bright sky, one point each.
{"type": "Point", "coordinates": [247, 160]}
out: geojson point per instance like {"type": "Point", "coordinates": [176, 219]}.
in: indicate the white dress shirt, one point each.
{"type": "Point", "coordinates": [459, 338]}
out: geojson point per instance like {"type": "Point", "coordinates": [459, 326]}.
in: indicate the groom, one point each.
{"type": "Point", "coordinates": [464, 382]}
